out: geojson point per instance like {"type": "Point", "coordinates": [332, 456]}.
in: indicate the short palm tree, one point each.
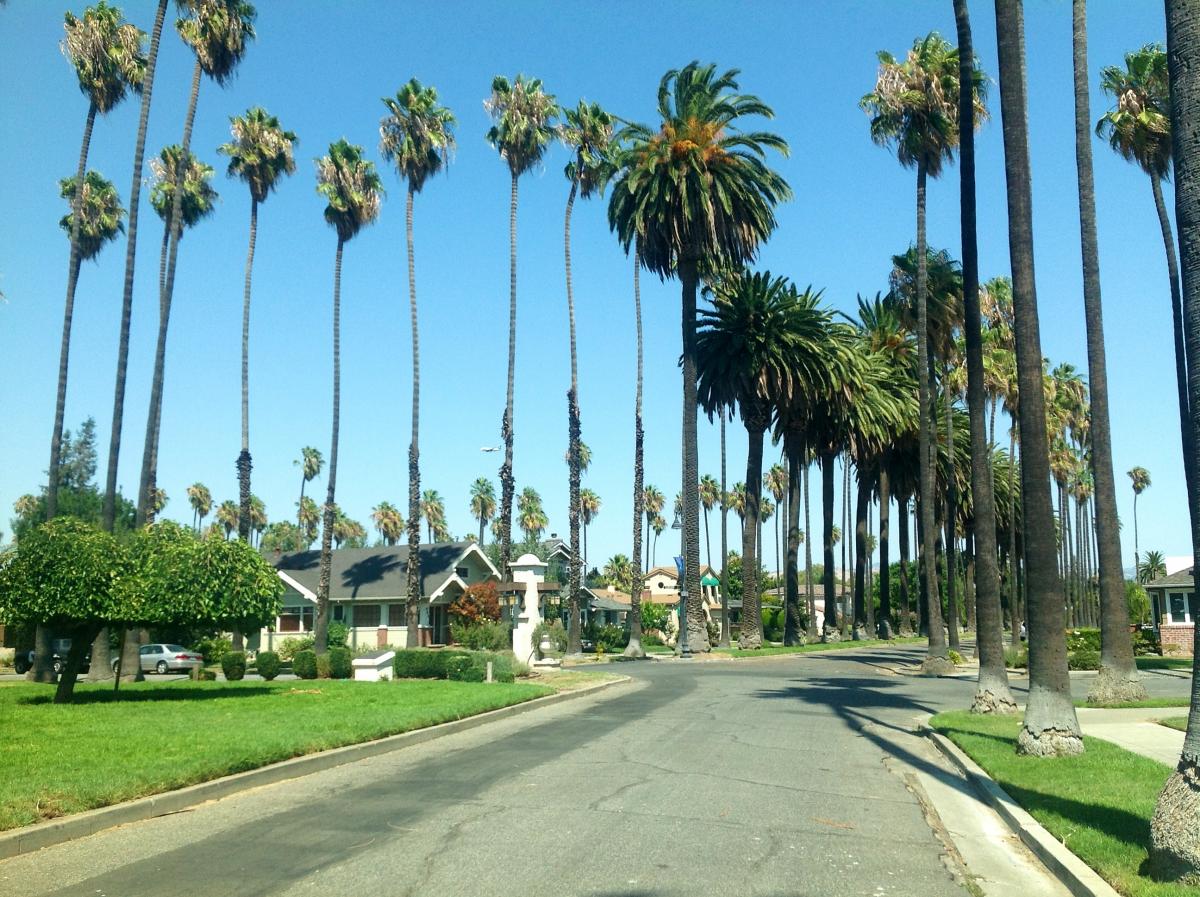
{"type": "Point", "coordinates": [653, 502]}
{"type": "Point", "coordinates": [227, 517]}
{"type": "Point", "coordinates": [1140, 480]}
{"type": "Point", "coordinates": [587, 131]}
{"type": "Point", "coordinates": [388, 521]}
{"type": "Point", "coordinates": [200, 498]}
{"type": "Point", "coordinates": [182, 184]}
{"type": "Point", "coordinates": [260, 154]}
{"type": "Point", "coordinates": [776, 482]}
{"type": "Point", "coordinates": [483, 503]}
{"type": "Point", "coordinates": [694, 193]}
{"type": "Point", "coordinates": [914, 108]}
{"type": "Point", "coordinates": [710, 497]}
{"type": "Point", "coordinates": [1152, 567]}
{"type": "Point", "coordinates": [589, 507]}
{"type": "Point", "coordinates": [258, 520]}
{"type": "Point", "coordinates": [107, 55]}
{"type": "Point", "coordinates": [522, 129]}
{"type": "Point", "coordinates": [433, 511]}
{"type": "Point", "coordinates": [351, 187]}
{"type": "Point", "coordinates": [308, 517]}
{"type": "Point", "coordinates": [658, 524]}
{"type": "Point", "coordinates": [530, 515]}
{"type": "Point", "coordinates": [417, 136]}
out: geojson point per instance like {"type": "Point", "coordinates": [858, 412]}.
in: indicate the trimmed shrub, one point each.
{"type": "Point", "coordinates": [203, 675]}
{"type": "Point", "coordinates": [304, 664]}
{"type": "Point", "coordinates": [473, 667]}
{"type": "Point", "coordinates": [340, 663]}
{"type": "Point", "coordinates": [337, 634]}
{"type": "Point", "coordinates": [482, 636]}
{"type": "Point", "coordinates": [1016, 658]}
{"type": "Point", "coordinates": [212, 648]}
{"type": "Point", "coordinates": [651, 640]}
{"type": "Point", "coordinates": [1145, 641]}
{"type": "Point", "coordinates": [955, 657]}
{"type": "Point", "coordinates": [268, 664]}
{"type": "Point", "coordinates": [233, 665]}
{"type": "Point", "coordinates": [611, 638]}
{"type": "Point", "coordinates": [1083, 639]}
{"type": "Point", "coordinates": [1083, 659]}
{"type": "Point", "coordinates": [323, 668]}
{"type": "Point", "coordinates": [424, 663]}
{"type": "Point", "coordinates": [291, 646]}
{"type": "Point", "coordinates": [772, 622]}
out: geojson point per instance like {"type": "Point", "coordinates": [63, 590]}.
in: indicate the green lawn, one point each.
{"type": "Point", "coordinates": [1098, 804]}
{"type": "Point", "coordinates": [1175, 722]}
{"type": "Point", "coordinates": [58, 760]}
{"type": "Point", "coordinates": [1149, 702]}
{"type": "Point", "coordinates": [1153, 662]}
{"type": "Point", "coordinates": [815, 646]}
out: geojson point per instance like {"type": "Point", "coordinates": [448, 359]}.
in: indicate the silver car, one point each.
{"type": "Point", "coordinates": [164, 658]}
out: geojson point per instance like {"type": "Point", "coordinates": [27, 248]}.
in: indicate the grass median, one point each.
{"type": "Point", "coordinates": [1175, 722]}
{"type": "Point", "coordinates": [62, 759]}
{"type": "Point", "coordinates": [813, 647]}
{"type": "Point", "coordinates": [1098, 804]}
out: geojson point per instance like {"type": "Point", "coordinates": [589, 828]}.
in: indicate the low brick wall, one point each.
{"type": "Point", "coordinates": [1179, 634]}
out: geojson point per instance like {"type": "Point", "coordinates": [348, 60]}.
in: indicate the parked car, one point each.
{"type": "Point", "coordinates": [23, 660]}
{"type": "Point", "coordinates": [165, 658]}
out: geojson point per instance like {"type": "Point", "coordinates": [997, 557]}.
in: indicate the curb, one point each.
{"type": "Point", "coordinates": [57, 831]}
{"type": "Point", "coordinates": [1077, 876]}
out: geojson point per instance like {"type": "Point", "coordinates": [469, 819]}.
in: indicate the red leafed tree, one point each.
{"type": "Point", "coordinates": [477, 604]}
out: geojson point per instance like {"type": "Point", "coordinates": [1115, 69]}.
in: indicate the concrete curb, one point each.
{"type": "Point", "coordinates": [56, 831]}
{"type": "Point", "coordinates": [1077, 876]}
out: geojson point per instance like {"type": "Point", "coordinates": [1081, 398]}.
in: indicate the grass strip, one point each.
{"type": "Point", "coordinates": [63, 759]}
{"type": "Point", "coordinates": [1175, 722]}
{"type": "Point", "coordinates": [814, 647]}
{"type": "Point", "coordinates": [1098, 804]}
{"type": "Point", "coordinates": [1133, 705]}
{"type": "Point", "coordinates": [1154, 662]}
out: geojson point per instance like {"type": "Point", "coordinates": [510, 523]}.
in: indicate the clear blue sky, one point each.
{"type": "Point", "coordinates": [322, 68]}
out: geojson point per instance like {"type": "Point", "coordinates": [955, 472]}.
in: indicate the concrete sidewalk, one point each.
{"type": "Point", "coordinates": [1136, 730]}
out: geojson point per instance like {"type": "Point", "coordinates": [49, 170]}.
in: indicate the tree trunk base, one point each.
{"type": "Point", "coordinates": [749, 642]}
{"type": "Point", "coordinates": [906, 631]}
{"type": "Point", "coordinates": [1049, 742]}
{"type": "Point", "coordinates": [860, 633]}
{"type": "Point", "coordinates": [1112, 686]}
{"type": "Point", "coordinates": [831, 635]}
{"type": "Point", "coordinates": [698, 642]}
{"type": "Point", "coordinates": [995, 702]}
{"type": "Point", "coordinates": [937, 666]}
{"type": "Point", "coordinates": [885, 630]}
{"type": "Point", "coordinates": [101, 666]}
{"type": "Point", "coordinates": [634, 650]}
{"type": "Point", "coordinates": [1175, 827]}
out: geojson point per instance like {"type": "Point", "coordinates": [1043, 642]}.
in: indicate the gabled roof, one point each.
{"type": "Point", "coordinates": [1180, 578]}
{"type": "Point", "coordinates": [664, 570]}
{"type": "Point", "coordinates": [374, 573]}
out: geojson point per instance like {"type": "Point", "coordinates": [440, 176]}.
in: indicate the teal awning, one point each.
{"type": "Point", "coordinates": [710, 581]}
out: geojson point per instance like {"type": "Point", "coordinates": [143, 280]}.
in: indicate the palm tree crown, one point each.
{"type": "Point", "coordinates": [1139, 126]}
{"type": "Point", "coordinates": [107, 54]}
{"type": "Point", "coordinates": [417, 134]}
{"type": "Point", "coordinates": [100, 213]}
{"type": "Point", "coordinates": [198, 197]}
{"type": "Point", "coordinates": [522, 121]}
{"type": "Point", "coordinates": [588, 131]}
{"type": "Point", "coordinates": [1140, 478]}
{"type": "Point", "coordinates": [260, 152]}
{"type": "Point", "coordinates": [483, 499]}
{"type": "Point", "coordinates": [351, 186]}
{"type": "Point", "coordinates": [218, 31]}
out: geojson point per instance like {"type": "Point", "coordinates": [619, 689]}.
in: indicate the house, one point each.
{"type": "Point", "coordinates": [368, 591]}
{"type": "Point", "coordinates": [1174, 609]}
{"type": "Point", "coordinates": [665, 581]}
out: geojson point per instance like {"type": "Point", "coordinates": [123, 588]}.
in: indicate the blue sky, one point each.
{"type": "Point", "coordinates": [322, 69]}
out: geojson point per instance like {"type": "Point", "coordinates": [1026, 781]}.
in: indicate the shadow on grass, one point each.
{"type": "Point", "coordinates": [1120, 825]}
{"type": "Point", "coordinates": [972, 733]}
{"type": "Point", "coordinates": [162, 693]}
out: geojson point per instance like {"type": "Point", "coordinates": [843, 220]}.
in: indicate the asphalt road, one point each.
{"type": "Point", "coordinates": [754, 778]}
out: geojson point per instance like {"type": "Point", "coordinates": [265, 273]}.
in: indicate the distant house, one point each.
{"type": "Point", "coordinates": [368, 591]}
{"type": "Point", "coordinates": [1174, 608]}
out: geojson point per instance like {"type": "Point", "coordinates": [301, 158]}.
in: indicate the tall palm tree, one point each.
{"type": "Point", "coordinates": [310, 462]}
{"type": "Point", "coordinates": [695, 194]}
{"type": "Point", "coordinates": [260, 154]}
{"type": "Point", "coordinates": [1118, 679]}
{"type": "Point", "coordinates": [653, 502]}
{"type": "Point", "coordinates": [388, 521]}
{"type": "Point", "coordinates": [992, 693]}
{"type": "Point", "coordinates": [1140, 480]}
{"type": "Point", "coordinates": [1050, 726]}
{"type": "Point", "coordinates": [308, 517]}
{"type": "Point", "coordinates": [587, 131]}
{"type": "Point", "coordinates": [107, 55]}
{"type": "Point", "coordinates": [483, 503]}
{"type": "Point", "coordinates": [634, 647]}
{"type": "Point", "coordinates": [433, 511]}
{"type": "Point", "coordinates": [914, 107]}
{"type": "Point", "coordinates": [417, 136]}
{"type": "Point", "coordinates": [200, 498]}
{"type": "Point", "coordinates": [776, 482]}
{"type": "Point", "coordinates": [735, 499]}
{"type": "Point", "coordinates": [218, 31]}
{"type": "Point", "coordinates": [523, 117]}
{"type": "Point", "coordinates": [352, 188]}
{"type": "Point", "coordinates": [1138, 128]}
{"type": "Point", "coordinates": [177, 174]}
{"type": "Point", "coordinates": [710, 496]}
{"type": "Point", "coordinates": [658, 524]}
{"type": "Point", "coordinates": [589, 507]}
{"type": "Point", "coordinates": [530, 515]}
{"type": "Point", "coordinates": [109, 509]}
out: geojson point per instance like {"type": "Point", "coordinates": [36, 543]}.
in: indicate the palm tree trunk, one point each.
{"type": "Point", "coordinates": [936, 662]}
{"type": "Point", "coordinates": [791, 586]}
{"type": "Point", "coordinates": [860, 556]}
{"type": "Point", "coordinates": [574, 634]}
{"type": "Point", "coordinates": [697, 630]}
{"type": "Point", "coordinates": [725, 624]}
{"type": "Point", "coordinates": [1050, 726]}
{"type": "Point", "coordinates": [751, 635]}
{"type": "Point", "coordinates": [243, 461]}
{"type": "Point", "coordinates": [830, 631]}
{"type": "Point", "coordinates": [412, 608]}
{"type": "Point", "coordinates": [905, 602]}
{"type": "Point", "coordinates": [847, 593]}
{"type": "Point", "coordinates": [884, 628]}
{"type": "Point", "coordinates": [634, 647]}
{"type": "Point", "coordinates": [147, 484]}
{"type": "Point", "coordinates": [1014, 602]}
{"type": "Point", "coordinates": [952, 618]}
{"type": "Point", "coordinates": [506, 425]}
{"type": "Point", "coordinates": [135, 192]}
{"type": "Point", "coordinates": [64, 356]}
{"type": "Point", "coordinates": [321, 626]}
{"type": "Point", "coordinates": [1174, 838]}
{"type": "Point", "coordinates": [1136, 547]}
{"type": "Point", "coordinates": [809, 591]}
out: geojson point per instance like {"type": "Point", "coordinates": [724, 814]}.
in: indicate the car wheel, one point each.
{"type": "Point", "coordinates": [21, 666]}
{"type": "Point", "coordinates": [116, 665]}
{"type": "Point", "coordinates": [58, 667]}
{"type": "Point", "coordinates": [162, 667]}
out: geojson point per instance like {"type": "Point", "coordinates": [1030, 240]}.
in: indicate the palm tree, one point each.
{"type": "Point", "coordinates": [1140, 479]}
{"type": "Point", "coordinates": [308, 517]}
{"type": "Point", "coordinates": [483, 503]}
{"type": "Point", "coordinates": [587, 131]}
{"type": "Point", "coordinates": [258, 519]}
{"type": "Point", "coordinates": [695, 193]}
{"type": "Point", "coordinates": [109, 508]}
{"type": "Point", "coordinates": [352, 188]}
{"type": "Point", "coordinates": [176, 173]}
{"type": "Point", "coordinates": [735, 500]}
{"type": "Point", "coordinates": [992, 693]}
{"type": "Point", "coordinates": [310, 463]}
{"type": "Point", "coordinates": [710, 496]}
{"type": "Point", "coordinates": [346, 530]}
{"type": "Point", "coordinates": [106, 53]}
{"type": "Point", "coordinates": [200, 498]}
{"type": "Point", "coordinates": [1118, 679]}
{"type": "Point", "coordinates": [522, 128]}
{"type": "Point", "coordinates": [530, 515]}
{"type": "Point", "coordinates": [776, 482]}
{"type": "Point", "coordinates": [634, 647]}
{"type": "Point", "coordinates": [227, 517]}
{"type": "Point", "coordinates": [915, 108]}
{"type": "Point", "coordinates": [417, 136]}
{"type": "Point", "coordinates": [589, 507]}
{"type": "Point", "coordinates": [658, 523]}
{"type": "Point", "coordinates": [433, 511]}
{"type": "Point", "coordinates": [618, 571]}
{"type": "Point", "coordinates": [218, 31]}
{"type": "Point", "coordinates": [653, 502]}
{"type": "Point", "coordinates": [1152, 567]}
{"type": "Point", "coordinates": [1138, 128]}
{"type": "Point", "coordinates": [260, 154]}
{"type": "Point", "coordinates": [1050, 726]}
{"type": "Point", "coordinates": [1174, 844]}
{"type": "Point", "coordinates": [388, 521]}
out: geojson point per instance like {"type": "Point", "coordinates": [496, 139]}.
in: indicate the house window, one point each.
{"type": "Point", "coordinates": [1178, 608]}
{"type": "Point", "coordinates": [339, 613]}
{"type": "Point", "coordinates": [296, 619]}
{"type": "Point", "coordinates": [396, 615]}
{"type": "Point", "coordinates": [462, 572]}
{"type": "Point", "coordinates": [366, 616]}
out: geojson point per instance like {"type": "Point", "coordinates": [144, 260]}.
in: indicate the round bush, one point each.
{"type": "Point", "coordinates": [304, 664]}
{"type": "Point", "coordinates": [268, 664]}
{"type": "Point", "coordinates": [233, 665]}
{"type": "Point", "coordinates": [323, 666]}
{"type": "Point", "coordinates": [340, 663]}
{"type": "Point", "coordinates": [1084, 659]}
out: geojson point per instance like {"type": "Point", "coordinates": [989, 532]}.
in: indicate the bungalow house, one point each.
{"type": "Point", "coordinates": [368, 591]}
{"type": "Point", "coordinates": [1174, 609]}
